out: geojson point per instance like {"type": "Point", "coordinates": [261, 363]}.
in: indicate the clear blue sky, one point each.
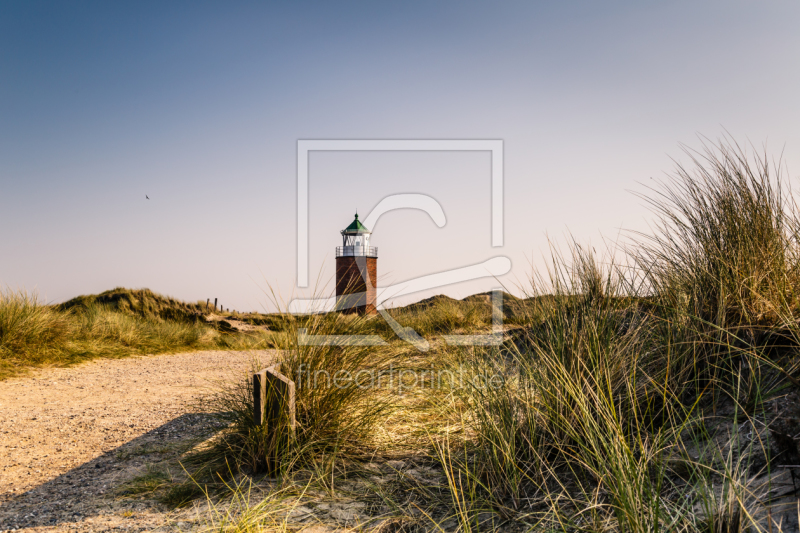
{"type": "Point", "coordinates": [200, 105]}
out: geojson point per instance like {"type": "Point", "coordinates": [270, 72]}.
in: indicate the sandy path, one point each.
{"type": "Point", "coordinates": [70, 436]}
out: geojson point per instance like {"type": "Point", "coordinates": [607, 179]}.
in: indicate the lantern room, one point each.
{"type": "Point", "coordinates": [355, 241]}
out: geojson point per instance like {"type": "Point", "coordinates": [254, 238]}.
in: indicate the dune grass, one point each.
{"type": "Point", "coordinates": [596, 401]}
{"type": "Point", "coordinates": [726, 239]}
{"type": "Point", "coordinates": [627, 397]}
{"type": "Point", "coordinates": [117, 323]}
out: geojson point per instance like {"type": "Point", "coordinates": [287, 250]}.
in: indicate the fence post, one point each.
{"type": "Point", "coordinates": [207, 300]}
{"type": "Point", "coordinates": [259, 396]}
{"type": "Point", "coordinates": [215, 305]}
{"type": "Point", "coordinates": [280, 399]}
{"type": "Point", "coordinates": [274, 405]}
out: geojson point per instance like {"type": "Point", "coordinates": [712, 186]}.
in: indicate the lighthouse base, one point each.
{"type": "Point", "coordinates": [356, 279]}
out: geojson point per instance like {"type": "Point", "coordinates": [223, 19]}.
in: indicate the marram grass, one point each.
{"type": "Point", "coordinates": [34, 334]}
{"type": "Point", "coordinates": [629, 396]}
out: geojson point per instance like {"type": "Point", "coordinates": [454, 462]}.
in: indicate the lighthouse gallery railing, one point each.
{"type": "Point", "coordinates": [356, 251]}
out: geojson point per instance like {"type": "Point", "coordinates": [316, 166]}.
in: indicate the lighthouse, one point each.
{"type": "Point", "coordinates": [356, 271]}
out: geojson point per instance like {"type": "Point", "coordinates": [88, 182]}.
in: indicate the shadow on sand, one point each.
{"type": "Point", "coordinates": [92, 489]}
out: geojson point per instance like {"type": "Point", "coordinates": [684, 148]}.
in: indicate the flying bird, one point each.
{"type": "Point", "coordinates": [146, 196]}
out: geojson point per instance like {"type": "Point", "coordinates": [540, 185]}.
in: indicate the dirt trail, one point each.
{"type": "Point", "coordinates": [70, 436]}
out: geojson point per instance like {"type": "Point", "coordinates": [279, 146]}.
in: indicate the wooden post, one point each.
{"type": "Point", "coordinates": [207, 301]}
{"type": "Point", "coordinates": [259, 396]}
{"type": "Point", "coordinates": [274, 405]}
{"type": "Point", "coordinates": [215, 305]}
{"type": "Point", "coordinates": [280, 399]}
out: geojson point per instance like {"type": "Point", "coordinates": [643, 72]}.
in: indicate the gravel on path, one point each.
{"type": "Point", "coordinates": [70, 436]}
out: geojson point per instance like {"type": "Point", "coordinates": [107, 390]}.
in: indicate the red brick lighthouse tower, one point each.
{"type": "Point", "coordinates": [356, 271]}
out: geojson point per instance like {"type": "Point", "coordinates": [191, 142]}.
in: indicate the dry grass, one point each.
{"type": "Point", "coordinates": [117, 323]}
{"type": "Point", "coordinates": [600, 416]}
{"type": "Point", "coordinates": [624, 400]}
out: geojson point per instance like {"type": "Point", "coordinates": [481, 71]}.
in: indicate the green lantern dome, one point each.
{"type": "Point", "coordinates": [356, 228]}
